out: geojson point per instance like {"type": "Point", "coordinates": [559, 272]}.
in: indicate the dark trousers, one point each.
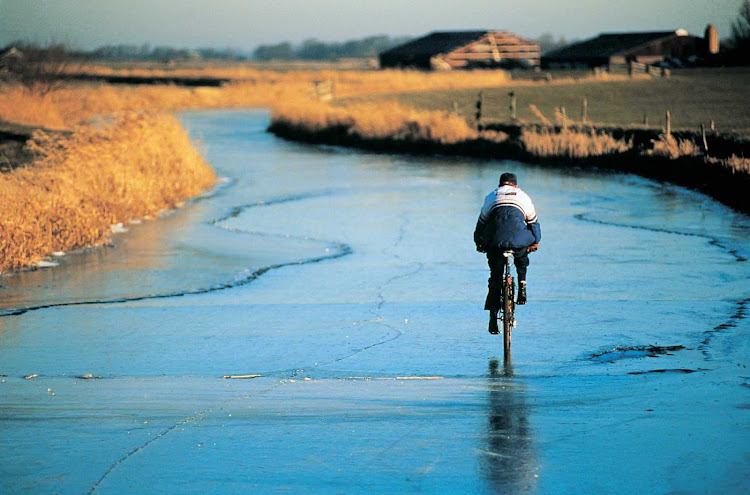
{"type": "Point", "coordinates": [496, 260]}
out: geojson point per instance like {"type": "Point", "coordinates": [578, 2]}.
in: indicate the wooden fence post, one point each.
{"type": "Point", "coordinates": [645, 118]}
{"type": "Point", "coordinates": [584, 111]}
{"type": "Point", "coordinates": [705, 141]}
{"type": "Point", "coordinates": [669, 123]}
{"type": "Point", "coordinates": [478, 115]}
{"type": "Point", "coordinates": [512, 95]}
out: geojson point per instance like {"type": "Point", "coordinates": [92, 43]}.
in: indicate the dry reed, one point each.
{"type": "Point", "coordinates": [347, 82]}
{"type": "Point", "coordinates": [81, 184]}
{"type": "Point", "coordinates": [571, 143]}
{"type": "Point", "coordinates": [737, 164]}
{"type": "Point", "coordinates": [249, 87]}
{"type": "Point", "coordinates": [385, 120]}
{"type": "Point", "coordinates": [668, 145]}
{"type": "Point", "coordinates": [79, 103]}
{"type": "Point", "coordinates": [389, 120]}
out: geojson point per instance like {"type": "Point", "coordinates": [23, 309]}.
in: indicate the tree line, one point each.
{"type": "Point", "coordinates": [741, 33]}
{"type": "Point", "coordinates": [147, 52]}
{"type": "Point", "coordinates": [310, 49]}
{"type": "Point", "coordinates": [369, 47]}
{"type": "Point", "coordinates": [313, 49]}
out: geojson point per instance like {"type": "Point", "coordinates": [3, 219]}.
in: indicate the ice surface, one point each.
{"type": "Point", "coordinates": [332, 273]}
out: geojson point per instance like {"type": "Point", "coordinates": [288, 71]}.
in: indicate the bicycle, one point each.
{"type": "Point", "coordinates": [507, 304]}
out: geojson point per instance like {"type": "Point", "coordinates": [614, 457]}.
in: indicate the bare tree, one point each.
{"type": "Point", "coordinates": [40, 70]}
{"type": "Point", "coordinates": [741, 28]}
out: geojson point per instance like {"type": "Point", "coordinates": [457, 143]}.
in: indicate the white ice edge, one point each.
{"type": "Point", "coordinates": [46, 264]}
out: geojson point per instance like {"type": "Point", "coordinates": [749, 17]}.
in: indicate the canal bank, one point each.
{"type": "Point", "coordinates": [712, 175]}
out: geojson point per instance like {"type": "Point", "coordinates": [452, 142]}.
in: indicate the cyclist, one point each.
{"type": "Point", "coordinates": [507, 221]}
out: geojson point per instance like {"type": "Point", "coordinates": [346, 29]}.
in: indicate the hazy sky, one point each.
{"type": "Point", "coordinates": [244, 24]}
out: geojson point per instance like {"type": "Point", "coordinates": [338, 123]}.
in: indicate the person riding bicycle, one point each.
{"type": "Point", "coordinates": [507, 221]}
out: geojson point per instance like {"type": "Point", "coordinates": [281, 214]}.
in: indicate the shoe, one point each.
{"type": "Point", "coordinates": [493, 322]}
{"type": "Point", "coordinates": [521, 299]}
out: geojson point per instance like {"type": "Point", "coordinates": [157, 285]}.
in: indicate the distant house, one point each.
{"type": "Point", "coordinates": [621, 48]}
{"type": "Point", "coordinates": [450, 50]}
{"type": "Point", "coordinates": [9, 57]}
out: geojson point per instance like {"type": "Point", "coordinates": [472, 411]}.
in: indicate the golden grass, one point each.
{"type": "Point", "coordinates": [391, 120]}
{"type": "Point", "coordinates": [346, 82]}
{"type": "Point", "coordinates": [76, 103]}
{"type": "Point", "coordinates": [79, 103]}
{"type": "Point", "coordinates": [737, 164]}
{"type": "Point", "coordinates": [385, 120]}
{"type": "Point", "coordinates": [81, 184]}
{"type": "Point", "coordinates": [249, 87]}
{"type": "Point", "coordinates": [668, 145]}
{"type": "Point", "coordinates": [571, 143]}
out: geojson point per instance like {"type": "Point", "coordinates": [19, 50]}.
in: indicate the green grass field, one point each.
{"type": "Point", "coordinates": [693, 96]}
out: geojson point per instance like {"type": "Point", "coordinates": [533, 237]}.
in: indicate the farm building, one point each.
{"type": "Point", "coordinates": [9, 56]}
{"type": "Point", "coordinates": [643, 47]}
{"type": "Point", "coordinates": [463, 50]}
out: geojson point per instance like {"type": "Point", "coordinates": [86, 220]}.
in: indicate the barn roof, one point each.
{"type": "Point", "coordinates": [11, 52]}
{"type": "Point", "coordinates": [608, 44]}
{"type": "Point", "coordinates": [436, 42]}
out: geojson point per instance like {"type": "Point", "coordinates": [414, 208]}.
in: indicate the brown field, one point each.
{"type": "Point", "coordinates": [693, 96]}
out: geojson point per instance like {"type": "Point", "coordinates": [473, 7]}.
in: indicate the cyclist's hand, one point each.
{"type": "Point", "coordinates": [480, 249]}
{"type": "Point", "coordinates": [532, 248]}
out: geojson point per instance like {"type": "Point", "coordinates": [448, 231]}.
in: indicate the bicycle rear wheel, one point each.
{"type": "Point", "coordinates": [508, 312]}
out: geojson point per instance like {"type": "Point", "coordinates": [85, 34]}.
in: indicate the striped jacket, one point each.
{"type": "Point", "coordinates": [507, 220]}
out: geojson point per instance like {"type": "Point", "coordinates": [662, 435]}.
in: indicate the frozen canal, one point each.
{"type": "Point", "coordinates": [349, 282]}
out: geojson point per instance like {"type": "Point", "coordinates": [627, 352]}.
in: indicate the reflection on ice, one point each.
{"type": "Point", "coordinates": [509, 462]}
